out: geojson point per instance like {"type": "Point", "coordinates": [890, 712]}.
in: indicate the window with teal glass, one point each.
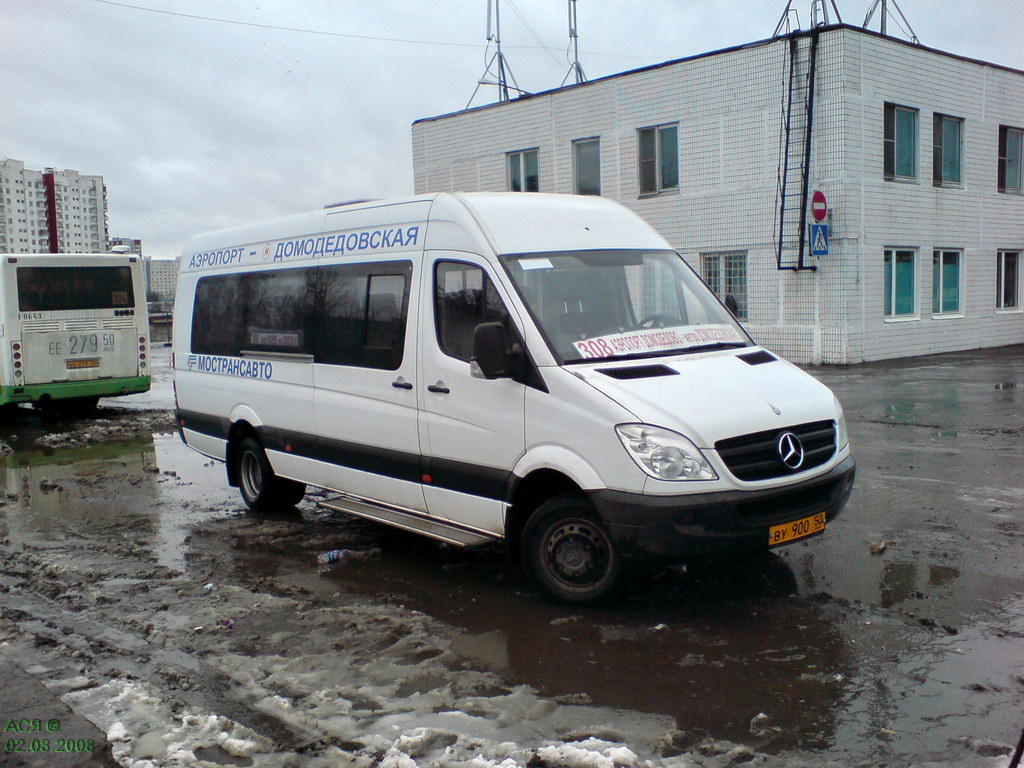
{"type": "Point", "coordinates": [587, 164]}
{"type": "Point", "coordinates": [523, 171]}
{"type": "Point", "coordinates": [899, 282]}
{"type": "Point", "coordinates": [947, 140]}
{"type": "Point", "coordinates": [1007, 280]}
{"type": "Point", "coordinates": [900, 145]}
{"type": "Point", "coordinates": [658, 158]}
{"type": "Point", "coordinates": [1010, 145]}
{"type": "Point", "coordinates": [945, 281]}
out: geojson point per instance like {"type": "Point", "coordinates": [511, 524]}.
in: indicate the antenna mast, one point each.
{"type": "Point", "coordinates": [819, 16]}
{"type": "Point", "coordinates": [503, 74]}
{"type": "Point", "coordinates": [819, 8]}
{"type": "Point", "coordinates": [575, 69]}
{"type": "Point", "coordinates": [887, 13]}
{"type": "Point", "coordinates": [784, 27]}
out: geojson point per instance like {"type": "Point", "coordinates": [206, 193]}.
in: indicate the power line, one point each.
{"type": "Point", "coordinates": [533, 32]}
{"type": "Point", "coordinates": [348, 35]}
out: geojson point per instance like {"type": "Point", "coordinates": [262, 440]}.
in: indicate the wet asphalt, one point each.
{"type": "Point", "coordinates": [895, 636]}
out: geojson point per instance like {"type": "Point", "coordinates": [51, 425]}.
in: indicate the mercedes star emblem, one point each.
{"type": "Point", "coordinates": [790, 450]}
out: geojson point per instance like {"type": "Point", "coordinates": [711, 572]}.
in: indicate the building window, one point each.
{"type": "Point", "coordinates": [945, 281]}
{"type": "Point", "coordinates": [523, 174]}
{"type": "Point", "coordinates": [586, 154]}
{"type": "Point", "coordinates": [1010, 143]}
{"type": "Point", "coordinates": [899, 282]}
{"type": "Point", "coordinates": [900, 142]}
{"type": "Point", "coordinates": [1008, 280]}
{"type": "Point", "coordinates": [947, 143]}
{"type": "Point", "coordinates": [658, 158]}
{"type": "Point", "coordinates": [726, 273]}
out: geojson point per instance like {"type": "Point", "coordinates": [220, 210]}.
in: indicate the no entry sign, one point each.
{"type": "Point", "coordinates": [819, 206]}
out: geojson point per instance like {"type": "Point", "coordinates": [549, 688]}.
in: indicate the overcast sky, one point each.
{"type": "Point", "coordinates": [200, 124]}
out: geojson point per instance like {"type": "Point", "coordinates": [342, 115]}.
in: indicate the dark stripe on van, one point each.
{"type": "Point", "coordinates": [285, 441]}
{"type": "Point", "coordinates": [215, 426]}
{"type": "Point", "coordinates": [463, 477]}
{"type": "Point", "coordinates": [489, 482]}
{"type": "Point", "coordinates": [400, 465]}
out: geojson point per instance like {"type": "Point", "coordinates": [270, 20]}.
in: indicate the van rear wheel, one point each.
{"type": "Point", "coordinates": [262, 490]}
{"type": "Point", "coordinates": [568, 554]}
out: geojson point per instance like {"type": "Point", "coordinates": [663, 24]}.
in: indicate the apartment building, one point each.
{"type": "Point", "coordinates": [162, 278]}
{"type": "Point", "coordinates": [51, 211]}
{"type": "Point", "coordinates": [859, 195]}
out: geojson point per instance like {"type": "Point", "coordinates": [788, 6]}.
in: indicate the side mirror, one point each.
{"type": "Point", "coordinates": [731, 304]}
{"type": "Point", "coordinates": [490, 356]}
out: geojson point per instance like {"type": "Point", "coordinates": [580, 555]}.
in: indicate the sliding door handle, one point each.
{"type": "Point", "coordinates": [440, 388]}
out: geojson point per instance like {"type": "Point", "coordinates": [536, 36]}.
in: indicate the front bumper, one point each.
{"type": "Point", "coordinates": [677, 528]}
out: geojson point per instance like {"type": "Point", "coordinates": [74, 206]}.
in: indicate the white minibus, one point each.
{"type": "Point", "coordinates": [76, 328]}
{"type": "Point", "coordinates": [542, 369]}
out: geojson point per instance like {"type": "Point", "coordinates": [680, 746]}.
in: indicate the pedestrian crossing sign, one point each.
{"type": "Point", "coordinates": [819, 239]}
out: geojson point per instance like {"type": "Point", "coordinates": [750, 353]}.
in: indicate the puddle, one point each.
{"type": "Point", "coordinates": [895, 632]}
{"type": "Point", "coordinates": [120, 489]}
{"type": "Point", "coordinates": [217, 755]}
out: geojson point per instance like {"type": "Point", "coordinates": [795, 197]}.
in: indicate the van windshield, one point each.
{"type": "Point", "coordinates": [621, 304]}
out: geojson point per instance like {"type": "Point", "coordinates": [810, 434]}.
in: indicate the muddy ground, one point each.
{"type": "Point", "coordinates": [144, 609]}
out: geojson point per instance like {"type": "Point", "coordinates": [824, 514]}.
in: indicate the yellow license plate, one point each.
{"type": "Point", "coordinates": [89, 362]}
{"type": "Point", "coordinates": [787, 532]}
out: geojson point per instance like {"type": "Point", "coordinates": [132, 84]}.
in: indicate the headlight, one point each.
{"type": "Point", "coordinates": [842, 439]}
{"type": "Point", "coordinates": [663, 454]}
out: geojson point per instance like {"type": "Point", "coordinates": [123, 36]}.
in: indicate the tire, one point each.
{"type": "Point", "coordinates": [567, 553]}
{"type": "Point", "coordinates": [261, 489]}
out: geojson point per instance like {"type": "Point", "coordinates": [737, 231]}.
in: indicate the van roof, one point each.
{"type": "Point", "coordinates": [517, 222]}
{"type": "Point", "coordinates": [504, 222]}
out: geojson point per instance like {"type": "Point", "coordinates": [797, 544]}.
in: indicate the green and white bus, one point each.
{"type": "Point", "coordinates": [74, 329]}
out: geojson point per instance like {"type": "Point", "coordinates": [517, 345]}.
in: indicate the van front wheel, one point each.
{"type": "Point", "coordinates": [568, 554]}
{"type": "Point", "coordinates": [262, 490]}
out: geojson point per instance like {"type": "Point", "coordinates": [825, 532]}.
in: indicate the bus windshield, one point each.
{"type": "Point", "coordinates": [621, 304]}
{"type": "Point", "coordinates": [54, 289]}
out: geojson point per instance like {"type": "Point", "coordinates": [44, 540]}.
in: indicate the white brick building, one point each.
{"type": "Point", "coordinates": [917, 150]}
{"type": "Point", "coordinates": [163, 277]}
{"type": "Point", "coordinates": [51, 211]}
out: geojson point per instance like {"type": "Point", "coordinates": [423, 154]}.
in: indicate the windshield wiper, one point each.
{"type": "Point", "coordinates": [715, 345]}
{"type": "Point", "coordinates": [661, 352]}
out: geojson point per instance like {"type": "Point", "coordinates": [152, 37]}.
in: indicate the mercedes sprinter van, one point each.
{"type": "Point", "coordinates": [542, 369]}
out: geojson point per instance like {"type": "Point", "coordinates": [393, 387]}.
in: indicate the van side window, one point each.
{"type": "Point", "coordinates": [464, 297]}
{"type": "Point", "coordinates": [217, 315]}
{"type": "Point", "coordinates": [278, 316]}
{"type": "Point", "coordinates": [268, 311]}
{"type": "Point", "coordinates": [363, 320]}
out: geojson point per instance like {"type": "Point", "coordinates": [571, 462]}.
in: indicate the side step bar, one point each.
{"type": "Point", "coordinates": [409, 520]}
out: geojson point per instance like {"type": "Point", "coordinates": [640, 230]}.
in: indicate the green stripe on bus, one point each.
{"type": "Point", "coordinates": [64, 390]}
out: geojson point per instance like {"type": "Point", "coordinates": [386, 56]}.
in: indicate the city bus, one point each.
{"type": "Point", "coordinates": [74, 329]}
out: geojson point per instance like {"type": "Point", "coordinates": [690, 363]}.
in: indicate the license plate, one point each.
{"type": "Point", "coordinates": [787, 532]}
{"type": "Point", "coordinates": [88, 362]}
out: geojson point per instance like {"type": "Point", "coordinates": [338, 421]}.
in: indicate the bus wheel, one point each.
{"type": "Point", "coordinates": [567, 553]}
{"type": "Point", "coordinates": [262, 490]}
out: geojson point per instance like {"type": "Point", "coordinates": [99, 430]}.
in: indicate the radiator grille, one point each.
{"type": "Point", "coordinates": [756, 456]}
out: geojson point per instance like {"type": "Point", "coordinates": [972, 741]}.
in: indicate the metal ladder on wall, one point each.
{"type": "Point", "coordinates": [795, 161]}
